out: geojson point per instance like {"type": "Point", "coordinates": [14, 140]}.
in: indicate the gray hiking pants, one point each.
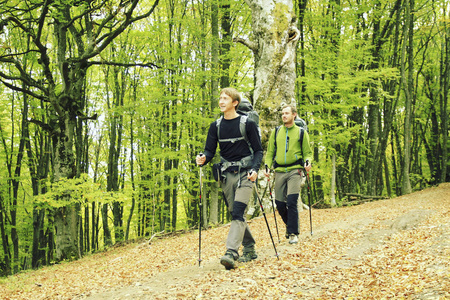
{"type": "Point", "coordinates": [237, 197]}
{"type": "Point", "coordinates": [287, 194]}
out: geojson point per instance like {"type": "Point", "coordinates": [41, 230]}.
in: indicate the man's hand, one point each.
{"type": "Point", "coordinates": [252, 175]}
{"type": "Point", "coordinates": [267, 171]}
{"type": "Point", "coordinates": [307, 166]}
{"type": "Point", "coordinates": [200, 159]}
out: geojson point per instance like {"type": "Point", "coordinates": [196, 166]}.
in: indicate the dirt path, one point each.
{"type": "Point", "coordinates": [386, 249]}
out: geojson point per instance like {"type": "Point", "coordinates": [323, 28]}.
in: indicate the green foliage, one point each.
{"type": "Point", "coordinates": [66, 192]}
{"type": "Point", "coordinates": [153, 84]}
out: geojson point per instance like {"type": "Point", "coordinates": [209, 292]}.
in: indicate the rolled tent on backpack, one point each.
{"type": "Point", "coordinates": [245, 108]}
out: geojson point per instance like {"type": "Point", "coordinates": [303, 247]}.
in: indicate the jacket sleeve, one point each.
{"type": "Point", "coordinates": [270, 150]}
{"type": "Point", "coordinates": [211, 142]}
{"type": "Point", "coordinates": [306, 146]}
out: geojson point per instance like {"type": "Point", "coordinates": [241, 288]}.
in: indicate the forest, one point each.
{"type": "Point", "coordinates": [105, 105]}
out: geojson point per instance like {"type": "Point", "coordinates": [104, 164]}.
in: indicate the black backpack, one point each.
{"type": "Point", "coordinates": [246, 111]}
{"type": "Point", "coordinates": [245, 108]}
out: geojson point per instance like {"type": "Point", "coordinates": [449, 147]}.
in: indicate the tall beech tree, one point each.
{"type": "Point", "coordinates": [273, 43]}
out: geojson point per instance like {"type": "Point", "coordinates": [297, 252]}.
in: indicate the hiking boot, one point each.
{"type": "Point", "coordinates": [293, 239]}
{"type": "Point", "coordinates": [248, 255]}
{"type": "Point", "coordinates": [228, 260]}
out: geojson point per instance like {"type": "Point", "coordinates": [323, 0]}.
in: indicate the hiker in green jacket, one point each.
{"type": "Point", "coordinates": [289, 153]}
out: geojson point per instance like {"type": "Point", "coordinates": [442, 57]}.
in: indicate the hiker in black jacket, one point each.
{"type": "Point", "coordinates": [289, 153]}
{"type": "Point", "coordinates": [241, 158]}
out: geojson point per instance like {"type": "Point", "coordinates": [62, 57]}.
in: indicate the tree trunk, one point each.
{"type": "Point", "coordinates": [444, 87]}
{"type": "Point", "coordinates": [15, 184]}
{"type": "Point", "coordinates": [225, 46]}
{"type": "Point", "coordinates": [373, 111]}
{"type": "Point", "coordinates": [174, 197]}
{"type": "Point", "coordinates": [387, 177]}
{"type": "Point", "coordinates": [107, 237]}
{"type": "Point", "coordinates": [65, 218]}
{"type": "Point", "coordinates": [407, 79]}
{"type": "Point", "coordinates": [6, 269]}
{"type": "Point", "coordinates": [214, 205]}
{"type": "Point", "coordinates": [317, 178]}
{"type": "Point", "coordinates": [301, 17]}
{"type": "Point", "coordinates": [165, 223]}
{"type": "Point", "coordinates": [38, 165]}
{"type": "Point", "coordinates": [333, 180]}
{"type": "Point", "coordinates": [274, 46]}
{"type": "Point", "coordinates": [117, 205]}
{"type": "Point", "coordinates": [398, 163]}
{"type": "Point", "coordinates": [133, 185]}
{"type": "Point", "coordinates": [115, 142]}
{"type": "Point", "coordinates": [96, 211]}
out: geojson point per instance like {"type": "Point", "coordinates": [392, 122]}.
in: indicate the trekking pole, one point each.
{"type": "Point", "coordinates": [265, 218]}
{"type": "Point", "coordinates": [273, 204]}
{"type": "Point", "coordinates": [309, 199]}
{"type": "Point", "coordinates": [201, 216]}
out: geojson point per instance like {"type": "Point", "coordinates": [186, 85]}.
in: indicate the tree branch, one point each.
{"type": "Point", "coordinates": [22, 90]}
{"type": "Point", "coordinates": [249, 44]}
{"type": "Point", "coordinates": [118, 64]}
{"type": "Point", "coordinates": [41, 124]}
{"type": "Point", "coordinates": [102, 42]}
{"type": "Point", "coordinates": [388, 25]}
{"type": "Point", "coordinates": [24, 76]}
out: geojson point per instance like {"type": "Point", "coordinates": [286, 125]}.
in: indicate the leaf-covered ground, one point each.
{"type": "Point", "coordinates": [397, 248]}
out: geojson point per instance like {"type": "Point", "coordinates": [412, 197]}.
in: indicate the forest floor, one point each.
{"type": "Point", "coordinates": [395, 248]}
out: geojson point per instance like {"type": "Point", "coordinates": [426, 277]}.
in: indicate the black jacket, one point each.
{"type": "Point", "coordinates": [238, 150]}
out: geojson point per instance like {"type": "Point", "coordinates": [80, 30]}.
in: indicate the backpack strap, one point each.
{"type": "Point", "coordinates": [276, 133]}
{"type": "Point", "coordinates": [218, 121]}
{"type": "Point", "coordinates": [242, 129]}
{"type": "Point", "coordinates": [300, 139]}
{"type": "Point", "coordinates": [245, 162]}
{"type": "Point", "coordinates": [297, 162]}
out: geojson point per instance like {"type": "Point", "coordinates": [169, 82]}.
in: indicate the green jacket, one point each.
{"type": "Point", "coordinates": [288, 138]}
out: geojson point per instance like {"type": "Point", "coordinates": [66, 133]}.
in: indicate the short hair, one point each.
{"type": "Point", "coordinates": [233, 93]}
{"type": "Point", "coordinates": [292, 107]}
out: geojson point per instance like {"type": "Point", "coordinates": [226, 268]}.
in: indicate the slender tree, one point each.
{"type": "Point", "coordinates": [407, 82]}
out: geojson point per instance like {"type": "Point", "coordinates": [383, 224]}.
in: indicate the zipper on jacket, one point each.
{"type": "Point", "coordinates": [286, 146]}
